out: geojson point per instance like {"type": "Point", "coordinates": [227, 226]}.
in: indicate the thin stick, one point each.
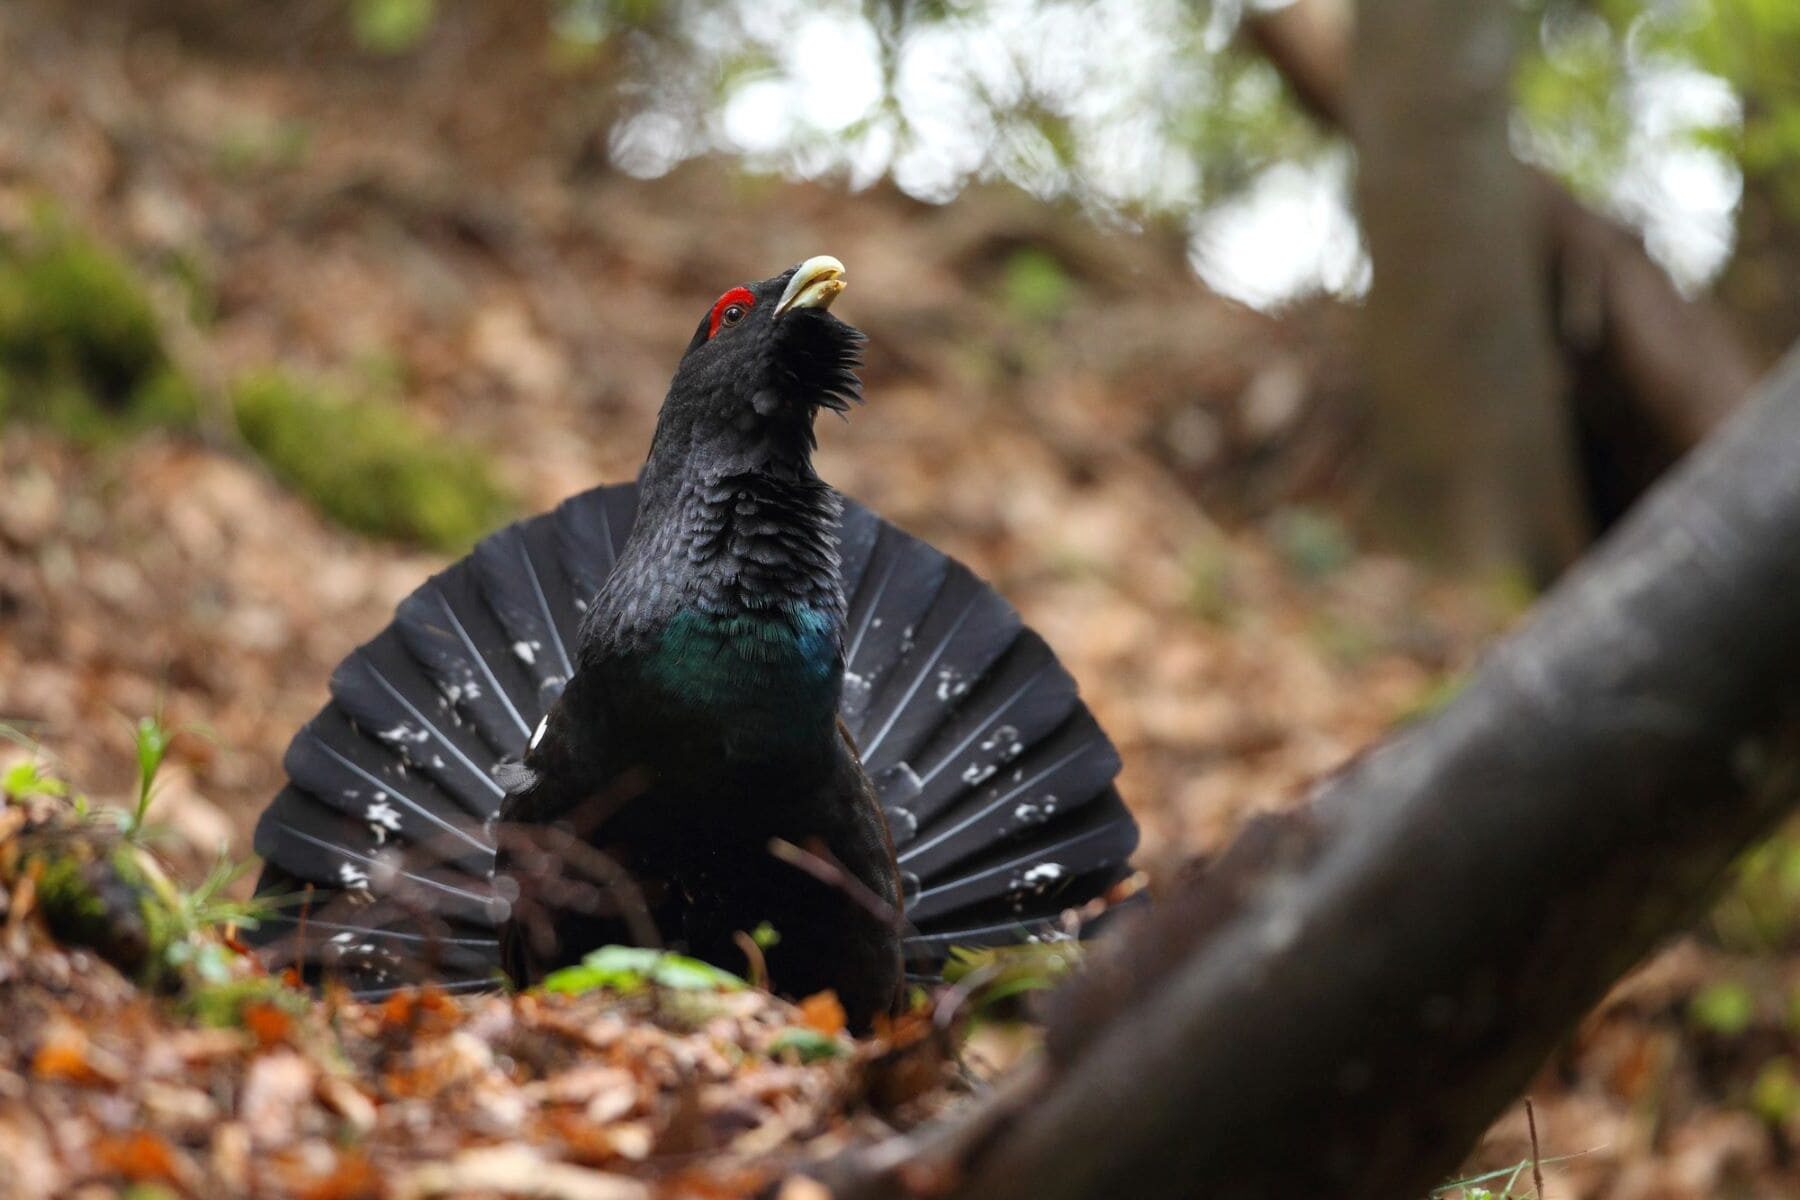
{"type": "Point", "coordinates": [1537, 1171]}
{"type": "Point", "coordinates": [832, 874]}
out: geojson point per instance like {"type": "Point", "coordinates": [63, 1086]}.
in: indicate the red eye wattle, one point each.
{"type": "Point", "coordinates": [729, 310]}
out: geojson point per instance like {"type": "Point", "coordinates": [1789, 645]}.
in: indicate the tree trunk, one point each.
{"type": "Point", "coordinates": [1475, 459]}
{"type": "Point", "coordinates": [1648, 372]}
{"type": "Point", "coordinates": [1341, 1008]}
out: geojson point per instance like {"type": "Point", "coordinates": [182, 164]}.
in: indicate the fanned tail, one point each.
{"type": "Point", "coordinates": [996, 780]}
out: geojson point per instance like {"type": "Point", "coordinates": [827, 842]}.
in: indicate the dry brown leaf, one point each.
{"type": "Point", "coordinates": [515, 1170]}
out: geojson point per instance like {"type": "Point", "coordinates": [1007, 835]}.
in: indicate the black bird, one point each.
{"type": "Point", "coordinates": [679, 710]}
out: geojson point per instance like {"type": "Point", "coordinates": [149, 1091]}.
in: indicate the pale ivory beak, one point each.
{"type": "Point", "coordinates": [816, 283]}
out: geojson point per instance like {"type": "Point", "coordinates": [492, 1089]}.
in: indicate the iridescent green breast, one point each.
{"type": "Point", "coordinates": [743, 661]}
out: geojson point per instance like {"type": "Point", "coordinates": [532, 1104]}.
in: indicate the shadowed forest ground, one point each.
{"type": "Point", "coordinates": [1144, 469]}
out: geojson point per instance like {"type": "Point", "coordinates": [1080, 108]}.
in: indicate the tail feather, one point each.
{"type": "Point", "coordinates": [330, 759]}
{"type": "Point", "coordinates": [894, 592]}
{"type": "Point", "coordinates": [997, 782]}
{"type": "Point", "coordinates": [1058, 775]}
{"type": "Point", "coordinates": [1038, 876]}
{"type": "Point", "coordinates": [371, 944]}
{"type": "Point", "coordinates": [1023, 697]}
{"type": "Point", "coordinates": [390, 698]}
{"type": "Point", "coordinates": [450, 629]}
{"type": "Point", "coordinates": [532, 598]}
{"type": "Point", "coordinates": [321, 846]}
{"type": "Point", "coordinates": [967, 627]}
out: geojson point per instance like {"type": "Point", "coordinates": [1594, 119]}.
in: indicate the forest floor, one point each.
{"type": "Point", "coordinates": [1145, 470]}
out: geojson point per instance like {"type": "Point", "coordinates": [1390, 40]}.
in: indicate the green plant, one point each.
{"type": "Point", "coordinates": [807, 1045]}
{"type": "Point", "coordinates": [993, 978]}
{"type": "Point", "coordinates": [81, 348]}
{"type": "Point", "coordinates": [628, 969]}
{"type": "Point", "coordinates": [99, 884]}
{"type": "Point", "coordinates": [26, 778]}
{"type": "Point", "coordinates": [370, 465]}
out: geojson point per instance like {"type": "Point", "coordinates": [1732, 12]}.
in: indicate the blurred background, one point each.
{"type": "Point", "coordinates": [1269, 367]}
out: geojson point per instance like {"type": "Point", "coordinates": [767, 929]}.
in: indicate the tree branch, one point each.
{"type": "Point", "coordinates": [1347, 1019]}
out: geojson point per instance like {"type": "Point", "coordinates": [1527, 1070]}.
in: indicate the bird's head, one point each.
{"type": "Point", "coordinates": [764, 359]}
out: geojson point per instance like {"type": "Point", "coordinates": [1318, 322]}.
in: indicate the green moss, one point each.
{"type": "Point", "coordinates": [89, 902]}
{"type": "Point", "coordinates": [80, 345]}
{"type": "Point", "coordinates": [369, 465]}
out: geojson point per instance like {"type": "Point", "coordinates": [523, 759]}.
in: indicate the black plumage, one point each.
{"type": "Point", "coordinates": [675, 710]}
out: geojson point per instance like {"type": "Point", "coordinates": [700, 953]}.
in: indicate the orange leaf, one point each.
{"type": "Point", "coordinates": [397, 1009]}
{"type": "Point", "coordinates": [823, 1013]}
{"type": "Point", "coordinates": [268, 1024]}
{"type": "Point", "coordinates": [351, 1178]}
{"type": "Point", "coordinates": [64, 1056]}
{"type": "Point", "coordinates": [140, 1156]}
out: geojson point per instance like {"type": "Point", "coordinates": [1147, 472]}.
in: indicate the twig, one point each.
{"type": "Point", "coordinates": [1537, 1171]}
{"type": "Point", "coordinates": [822, 867]}
{"type": "Point", "coordinates": [759, 966]}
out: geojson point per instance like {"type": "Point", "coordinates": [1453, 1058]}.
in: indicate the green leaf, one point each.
{"type": "Point", "coordinates": [1725, 1008]}
{"type": "Point", "coordinates": [809, 1044]}
{"type": "Point", "coordinates": [1775, 1096]}
{"type": "Point", "coordinates": [391, 26]}
{"type": "Point", "coordinates": [25, 779]}
{"type": "Point", "coordinates": [627, 969]}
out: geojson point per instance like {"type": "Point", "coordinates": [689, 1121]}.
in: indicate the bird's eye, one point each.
{"type": "Point", "coordinates": [729, 309]}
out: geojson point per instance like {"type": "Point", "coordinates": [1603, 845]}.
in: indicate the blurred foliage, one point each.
{"type": "Point", "coordinates": [806, 1045]}
{"type": "Point", "coordinates": [1583, 93]}
{"type": "Point", "coordinates": [1726, 1008]}
{"type": "Point", "coordinates": [1035, 285]}
{"type": "Point", "coordinates": [369, 464]}
{"type": "Point", "coordinates": [81, 348]}
{"type": "Point", "coordinates": [1759, 912]}
{"type": "Point", "coordinates": [391, 26]}
{"type": "Point", "coordinates": [1151, 110]}
{"type": "Point", "coordinates": [1775, 1096]}
{"type": "Point", "coordinates": [628, 969]}
{"type": "Point", "coordinates": [252, 146]}
{"type": "Point", "coordinates": [995, 980]}
{"type": "Point", "coordinates": [1136, 109]}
